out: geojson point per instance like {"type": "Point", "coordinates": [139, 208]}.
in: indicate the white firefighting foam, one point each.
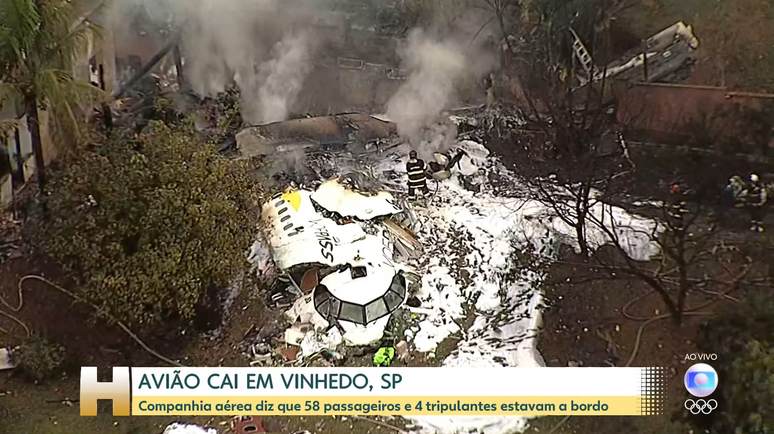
{"type": "Point", "coordinates": [469, 240]}
{"type": "Point", "coordinates": [467, 269]}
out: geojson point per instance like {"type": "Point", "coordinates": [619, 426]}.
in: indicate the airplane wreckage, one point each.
{"type": "Point", "coordinates": [341, 248]}
{"type": "Point", "coordinates": [345, 273]}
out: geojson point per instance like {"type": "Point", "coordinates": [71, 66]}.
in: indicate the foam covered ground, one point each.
{"type": "Point", "coordinates": [469, 240]}
{"type": "Point", "coordinates": [469, 278]}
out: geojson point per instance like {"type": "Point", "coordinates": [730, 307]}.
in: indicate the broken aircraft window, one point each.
{"type": "Point", "coordinates": [393, 300]}
{"type": "Point", "coordinates": [329, 306]}
{"type": "Point", "coordinates": [324, 309]}
{"type": "Point", "coordinates": [376, 309]}
{"type": "Point", "coordinates": [352, 312]}
{"type": "Point", "coordinates": [335, 307]}
{"type": "Point", "coordinates": [399, 285]}
{"type": "Point", "coordinates": [321, 295]}
{"type": "Point", "coordinates": [358, 272]}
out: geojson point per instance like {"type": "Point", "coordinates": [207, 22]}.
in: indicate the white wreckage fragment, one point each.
{"type": "Point", "coordinates": [363, 285]}
{"type": "Point", "coordinates": [334, 197]}
{"type": "Point", "coordinates": [179, 428]}
{"type": "Point", "coordinates": [407, 244]}
{"type": "Point", "coordinates": [298, 234]}
{"type": "Point", "coordinates": [7, 360]}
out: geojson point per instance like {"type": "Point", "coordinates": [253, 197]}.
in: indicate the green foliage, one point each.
{"type": "Point", "coordinates": [37, 46]}
{"type": "Point", "coordinates": [737, 324]}
{"type": "Point", "coordinates": [148, 226]}
{"type": "Point", "coordinates": [751, 396]}
{"type": "Point", "coordinates": [742, 336]}
{"type": "Point", "coordinates": [40, 358]}
{"type": "Point", "coordinates": [230, 116]}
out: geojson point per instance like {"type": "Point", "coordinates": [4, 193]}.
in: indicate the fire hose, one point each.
{"type": "Point", "coordinates": [694, 311]}
{"type": "Point", "coordinates": [120, 324]}
{"type": "Point", "coordinates": [437, 187]}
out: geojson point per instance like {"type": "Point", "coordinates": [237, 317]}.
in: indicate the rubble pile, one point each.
{"type": "Point", "coordinates": [441, 270]}
{"type": "Point", "coordinates": [339, 271]}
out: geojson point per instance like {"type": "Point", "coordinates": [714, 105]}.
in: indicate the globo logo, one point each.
{"type": "Point", "coordinates": [701, 380]}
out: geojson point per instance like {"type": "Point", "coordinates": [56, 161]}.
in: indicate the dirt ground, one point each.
{"type": "Point", "coordinates": [584, 319]}
{"type": "Point", "coordinates": [576, 323]}
{"type": "Point", "coordinates": [576, 312]}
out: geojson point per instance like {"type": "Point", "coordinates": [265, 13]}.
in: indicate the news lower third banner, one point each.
{"type": "Point", "coordinates": [377, 391]}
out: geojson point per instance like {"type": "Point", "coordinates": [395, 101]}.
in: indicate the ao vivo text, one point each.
{"type": "Point", "coordinates": [697, 356]}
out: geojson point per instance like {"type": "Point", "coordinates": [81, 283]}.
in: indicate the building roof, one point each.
{"type": "Point", "coordinates": [337, 129]}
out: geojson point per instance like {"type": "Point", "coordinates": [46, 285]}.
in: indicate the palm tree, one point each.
{"type": "Point", "coordinates": [39, 39]}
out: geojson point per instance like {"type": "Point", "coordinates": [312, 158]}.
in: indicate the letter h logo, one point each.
{"type": "Point", "coordinates": [119, 390]}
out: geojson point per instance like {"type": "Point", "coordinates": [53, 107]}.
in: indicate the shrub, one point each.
{"type": "Point", "coordinates": [737, 324]}
{"type": "Point", "coordinates": [742, 336]}
{"type": "Point", "coordinates": [750, 398]}
{"type": "Point", "coordinates": [147, 225]}
{"type": "Point", "coordinates": [40, 358]}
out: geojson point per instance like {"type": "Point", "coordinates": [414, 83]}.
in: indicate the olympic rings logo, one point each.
{"type": "Point", "coordinates": [701, 406]}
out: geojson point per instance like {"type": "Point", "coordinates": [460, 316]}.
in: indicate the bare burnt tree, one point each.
{"type": "Point", "coordinates": [563, 98]}
{"type": "Point", "coordinates": [691, 259]}
{"type": "Point", "coordinates": [502, 10]}
{"type": "Point", "coordinates": [570, 129]}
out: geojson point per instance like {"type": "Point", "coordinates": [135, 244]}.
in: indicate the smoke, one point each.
{"type": "Point", "coordinates": [437, 67]}
{"type": "Point", "coordinates": [282, 78]}
{"type": "Point", "coordinates": [250, 43]}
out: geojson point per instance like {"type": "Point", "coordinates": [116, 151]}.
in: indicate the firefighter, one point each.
{"type": "Point", "coordinates": [728, 201]}
{"type": "Point", "coordinates": [677, 207]}
{"type": "Point", "coordinates": [417, 176]}
{"type": "Point", "coordinates": [755, 201]}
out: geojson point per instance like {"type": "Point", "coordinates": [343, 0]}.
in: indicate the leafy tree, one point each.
{"type": "Point", "coordinates": [148, 225]}
{"type": "Point", "coordinates": [751, 395]}
{"type": "Point", "coordinates": [742, 336]}
{"type": "Point", "coordinates": [737, 324]}
{"type": "Point", "coordinates": [37, 46]}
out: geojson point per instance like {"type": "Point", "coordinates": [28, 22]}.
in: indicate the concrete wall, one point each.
{"type": "Point", "coordinates": [25, 142]}
{"type": "Point", "coordinates": [25, 139]}
{"type": "Point", "coordinates": [712, 118]}
{"type": "Point", "coordinates": [99, 49]}
{"type": "Point", "coordinates": [6, 182]}
{"type": "Point", "coordinates": [667, 108]}
{"type": "Point", "coordinates": [9, 113]}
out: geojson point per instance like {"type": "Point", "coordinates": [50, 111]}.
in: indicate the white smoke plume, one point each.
{"type": "Point", "coordinates": [282, 78]}
{"type": "Point", "coordinates": [244, 42]}
{"type": "Point", "coordinates": [437, 66]}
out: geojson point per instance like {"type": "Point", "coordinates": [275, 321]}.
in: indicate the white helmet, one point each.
{"type": "Point", "coordinates": [754, 178]}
